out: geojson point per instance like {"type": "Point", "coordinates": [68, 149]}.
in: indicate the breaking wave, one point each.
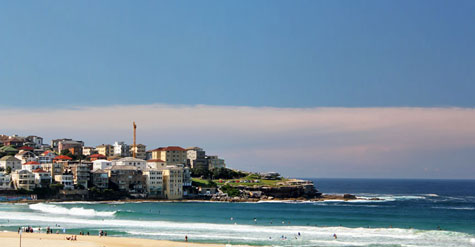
{"type": "Point", "coordinates": [76, 211]}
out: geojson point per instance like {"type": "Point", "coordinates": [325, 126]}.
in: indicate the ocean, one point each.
{"type": "Point", "coordinates": [410, 213]}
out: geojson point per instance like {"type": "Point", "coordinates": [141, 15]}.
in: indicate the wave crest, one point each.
{"type": "Point", "coordinates": [76, 211]}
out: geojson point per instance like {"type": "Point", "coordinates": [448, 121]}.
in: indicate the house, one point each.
{"type": "Point", "coordinates": [129, 161]}
{"type": "Point", "coordinates": [127, 178]}
{"type": "Point", "coordinates": [36, 140]}
{"type": "Point", "coordinates": [42, 178]}
{"type": "Point", "coordinates": [47, 157]}
{"type": "Point", "coordinates": [74, 147]}
{"type": "Point", "coordinates": [26, 156]}
{"type": "Point", "coordinates": [23, 179]}
{"type": "Point", "coordinates": [9, 150]}
{"type": "Point", "coordinates": [154, 182]}
{"type": "Point", "coordinates": [105, 149]}
{"type": "Point", "coordinates": [61, 158]}
{"type": "Point", "coordinates": [101, 164]}
{"type": "Point", "coordinates": [214, 162]}
{"type": "Point", "coordinates": [88, 151]}
{"type": "Point", "coordinates": [81, 172]}
{"type": "Point", "coordinates": [5, 181]}
{"type": "Point", "coordinates": [140, 151]}
{"type": "Point", "coordinates": [54, 169]}
{"type": "Point", "coordinates": [10, 161]}
{"type": "Point", "coordinates": [172, 155]}
{"type": "Point", "coordinates": [66, 179]}
{"type": "Point", "coordinates": [196, 158]}
{"type": "Point", "coordinates": [31, 165]}
{"type": "Point", "coordinates": [15, 142]}
{"type": "Point", "coordinates": [100, 179]}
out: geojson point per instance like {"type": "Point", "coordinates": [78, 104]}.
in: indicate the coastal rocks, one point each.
{"type": "Point", "coordinates": [349, 196]}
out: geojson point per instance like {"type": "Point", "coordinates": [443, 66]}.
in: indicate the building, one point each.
{"type": "Point", "coordinates": [101, 164]}
{"type": "Point", "coordinates": [8, 150]}
{"type": "Point", "coordinates": [154, 182]}
{"type": "Point", "coordinates": [74, 147]}
{"type": "Point", "coordinates": [66, 179]}
{"type": "Point", "coordinates": [36, 140]}
{"type": "Point", "coordinates": [140, 151]}
{"type": "Point", "coordinates": [23, 179]}
{"type": "Point", "coordinates": [54, 169]}
{"type": "Point", "coordinates": [10, 161]}
{"type": "Point", "coordinates": [46, 157]}
{"type": "Point", "coordinates": [105, 149]}
{"type": "Point", "coordinates": [97, 157]}
{"type": "Point", "coordinates": [26, 156]}
{"type": "Point", "coordinates": [100, 179]}
{"type": "Point", "coordinates": [14, 141]}
{"type": "Point", "coordinates": [156, 164]}
{"type": "Point", "coordinates": [55, 144]}
{"type": "Point", "coordinates": [196, 158]}
{"type": "Point", "coordinates": [87, 151]}
{"type": "Point", "coordinates": [173, 182]}
{"type": "Point", "coordinates": [31, 166]}
{"type": "Point", "coordinates": [42, 178]}
{"type": "Point", "coordinates": [5, 181]}
{"type": "Point", "coordinates": [129, 161]}
{"type": "Point", "coordinates": [121, 149]}
{"type": "Point", "coordinates": [172, 155]}
{"type": "Point", "coordinates": [127, 178]}
{"type": "Point", "coordinates": [214, 162]}
{"type": "Point", "coordinates": [81, 172]}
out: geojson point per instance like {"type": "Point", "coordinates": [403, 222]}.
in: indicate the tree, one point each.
{"type": "Point", "coordinates": [9, 170]}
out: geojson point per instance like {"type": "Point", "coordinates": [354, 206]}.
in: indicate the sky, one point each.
{"type": "Point", "coordinates": [378, 89]}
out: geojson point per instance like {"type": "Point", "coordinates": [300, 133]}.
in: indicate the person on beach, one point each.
{"type": "Point", "coordinates": [334, 235]}
{"type": "Point", "coordinates": [186, 238]}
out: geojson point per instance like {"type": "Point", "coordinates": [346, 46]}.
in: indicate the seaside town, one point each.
{"type": "Point", "coordinates": [67, 169]}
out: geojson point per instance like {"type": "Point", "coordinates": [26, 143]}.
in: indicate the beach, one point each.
{"type": "Point", "coordinates": [12, 239]}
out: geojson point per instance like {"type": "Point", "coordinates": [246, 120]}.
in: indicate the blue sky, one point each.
{"type": "Point", "coordinates": [254, 53]}
{"type": "Point", "coordinates": [306, 88]}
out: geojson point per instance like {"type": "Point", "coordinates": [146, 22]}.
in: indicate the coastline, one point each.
{"type": "Point", "coordinates": [324, 197]}
{"type": "Point", "coordinates": [12, 239]}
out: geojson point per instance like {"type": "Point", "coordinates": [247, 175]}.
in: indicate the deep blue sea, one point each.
{"type": "Point", "coordinates": [411, 213]}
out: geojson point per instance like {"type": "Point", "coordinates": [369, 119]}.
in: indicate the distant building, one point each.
{"type": "Point", "coordinates": [121, 149]}
{"type": "Point", "coordinates": [172, 155]}
{"type": "Point", "coordinates": [42, 178]}
{"type": "Point", "coordinates": [81, 172]}
{"type": "Point", "coordinates": [54, 169]}
{"type": "Point", "coordinates": [23, 179]}
{"type": "Point", "coordinates": [14, 141]}
{"type": "Point", "coordinates": [66, 179]}
{"type": "Point", "coordinates": [127, 178]}
{"type": "Point", "coordinates": [75, 147]}
{"type": "Point", "coordinates": [173, 182]}
{"type": "Point", "coordinates": [97, 157]}
{"type": "Point", "coordinates": [156, 164]}
{"type": "Point", "coordinates": [196, 158]}
{"type": "Point", "coordinates": [141, 152]}
{"type": "Point", "coordinates": [154, 182]}
{"type": "Point", "coordinates": [10, 161]}
{"type": "Point", "coordinates": [101, 164]}
{"type": "Point", "coordinates": [31, 166]}
{"type": "Point", "coordinates": [100, 179]}
{"type": "Point", "coordinates": [5, 181]}
{"type": "Point", "coordinates": [105, 149]}
{"type": "Point", "coordinates": [129, 161]}
{"type": "Point", "coordinates": [87, 151]}
{"type": "Point", "coordinates": [47, 157]}
{"type": "Point", "coordinates": [214, 162]}
{"type": "Point", "coordinates": [36, 140]}
{"type": "Point", "coordinates": [26, 156]}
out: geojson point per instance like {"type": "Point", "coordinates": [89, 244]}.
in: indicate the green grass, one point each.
{"type": "Point", "coordinates": [262, 182]}
{"type": "Point", "coordinates": [201, 182]}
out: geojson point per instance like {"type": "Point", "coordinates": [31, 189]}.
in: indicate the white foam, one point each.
{"type": "Point", "coordinates": [76, 211]}
{"type": "Point", "coordinates": [456, 208]}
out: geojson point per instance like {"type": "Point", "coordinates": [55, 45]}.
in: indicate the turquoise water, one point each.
{"type": "Point", "coordinates": [410, 213]}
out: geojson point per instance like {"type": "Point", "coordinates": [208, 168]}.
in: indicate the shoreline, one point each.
{"type": "Point", "coordinates": [324, 197]}
{"type": "Point", "coordinates": [12, 239]}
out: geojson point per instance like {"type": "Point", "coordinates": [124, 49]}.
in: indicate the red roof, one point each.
{"type": "Point", "coordinates": [39, 170]}
{"type": "Point", "coordinates": [31, 163]}
{"type": "Point", "coordinates": [26, 148]}
{"type": "Point", "coordinates": [170, 148]}
{"type": "Point", "coordinates": [97, 156]}
{"type": "Point", "coordinates": [155, 160]}
{"type": "Point", "coordinates": [63, 157]}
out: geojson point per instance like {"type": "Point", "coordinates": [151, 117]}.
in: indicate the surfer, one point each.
{"type": "Point", "coordinates": [334, 235]}
{"type": "Point", "coordinates": [186, 238]}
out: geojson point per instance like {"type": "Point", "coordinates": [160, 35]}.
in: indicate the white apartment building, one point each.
{"type": "Point", "coordinates": [46, 157]}
{"type": "Point", "coordinates": [121, 149]}
{"type": "Point", "coordinates": [129, 161]}
{"type": "Point", "coordinates": [10, 161]}
{"type": "Point", "coordinates": [101, 164]}
{"type": "Point", "coordinates": [31, 166]}
{"type": "Point", "coordinates": [42, 178]}
{"type": "Point", "coordinates": [23, 179]}
{"type": "Point", "coordinates": [66, 179]}
{"type": "Point", "coordinates": [5, 181]}
{"type": "Point", "coordinates": [154, 180]}
{"type": "Point", "coordinates": [173, 182]}
{"type": "Point", "coordinates": [26, 156]}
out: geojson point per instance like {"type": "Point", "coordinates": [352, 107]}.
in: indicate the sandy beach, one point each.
{"type": "Point", "coordinates": [12, 239]}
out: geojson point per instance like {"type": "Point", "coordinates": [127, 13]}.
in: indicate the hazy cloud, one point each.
{"type": "Point", "coordinates": [307, 142]}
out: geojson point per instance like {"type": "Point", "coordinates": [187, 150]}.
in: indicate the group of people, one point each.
{"type": "Point", "coordinates": [72, 238]}
{"type": "Point", "coordinates": [101, 233]}
{"type": "Point", "coordinates": [28, 229]}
